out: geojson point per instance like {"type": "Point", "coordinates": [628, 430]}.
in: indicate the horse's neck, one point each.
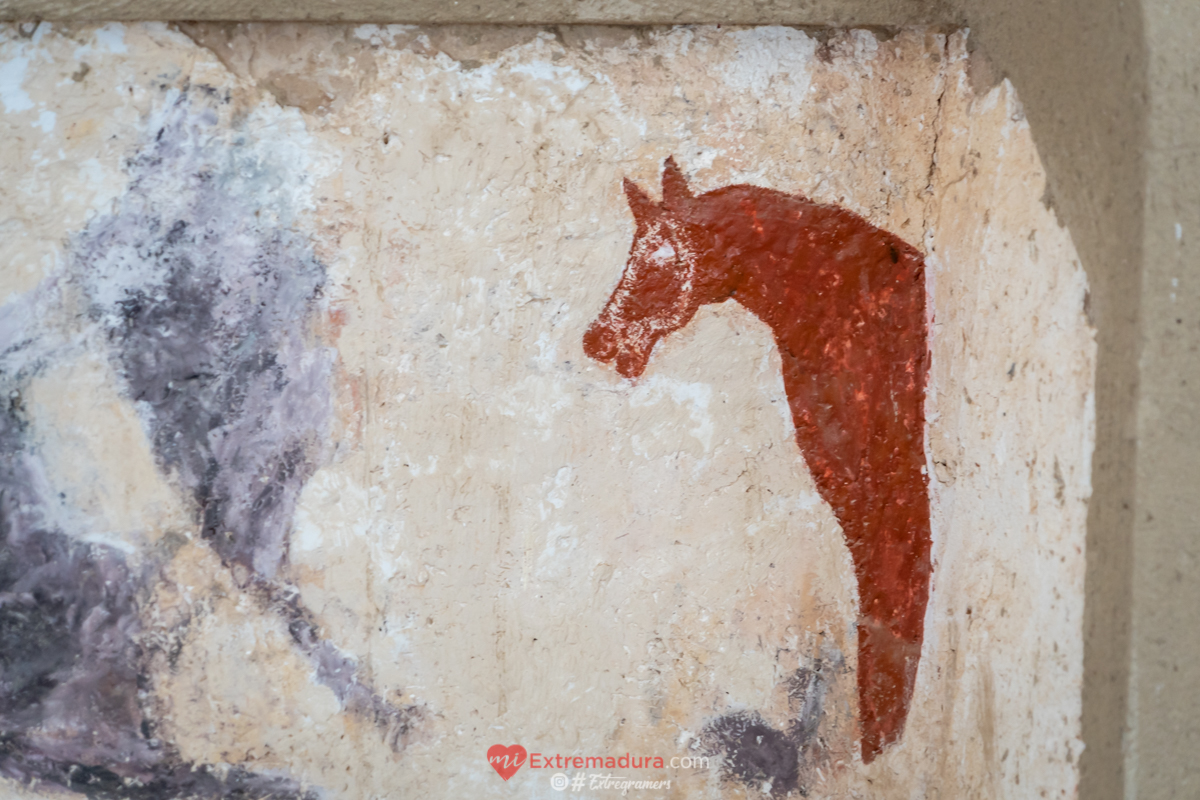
{"type": "Point", "coordinates": [762, 233]}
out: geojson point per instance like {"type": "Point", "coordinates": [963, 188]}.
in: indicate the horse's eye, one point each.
{"type": "Point", "coordinates": [664, 253]}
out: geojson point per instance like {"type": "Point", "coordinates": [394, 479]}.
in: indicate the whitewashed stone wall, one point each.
{"type": "Point", "coordinates": [301, 427]}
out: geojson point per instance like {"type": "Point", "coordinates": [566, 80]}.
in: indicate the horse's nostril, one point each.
{"type": "Point", "coordinates": [600, 343]}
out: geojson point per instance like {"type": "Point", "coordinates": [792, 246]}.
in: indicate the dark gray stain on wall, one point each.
{"type": "Point", "coordinates": [203, 296]}
{"type": "Point", "coordinates": [770, 760]}
{"type": "Point", "coordinates": [209, 334]}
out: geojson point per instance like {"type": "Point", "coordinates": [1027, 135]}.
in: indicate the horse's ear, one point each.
{"type": "Point", "coordinates": [639, 202]}
{"type": "Point", "coordinates": [674, 186]}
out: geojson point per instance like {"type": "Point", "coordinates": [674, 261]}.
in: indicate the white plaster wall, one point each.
{"type": "Point", "coordinates": [506, 534]}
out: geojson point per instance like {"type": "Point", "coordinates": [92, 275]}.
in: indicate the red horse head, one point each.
{"type": "Point", "coordinates": [667, 278]}
{"type": "Point", "coordinates": [846, 302]}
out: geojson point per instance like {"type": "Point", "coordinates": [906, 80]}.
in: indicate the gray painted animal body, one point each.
{"type": "Point", "coordinates": [204, 311]}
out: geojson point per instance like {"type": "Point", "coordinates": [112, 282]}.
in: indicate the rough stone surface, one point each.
{"type": "Point", "coordinates": [643, 12]}
{"type": "Point", "coordinates": [463, 530]}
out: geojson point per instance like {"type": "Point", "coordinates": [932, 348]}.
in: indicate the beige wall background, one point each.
{"type": "Point", "coordinates": [1111, 91]}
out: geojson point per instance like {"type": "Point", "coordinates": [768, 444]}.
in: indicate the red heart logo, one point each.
{"type": "Point", "coordinates": [506, 760]}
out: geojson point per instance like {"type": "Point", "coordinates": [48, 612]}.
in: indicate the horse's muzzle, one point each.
{"type": "Point", "coordinates": [600, 342]}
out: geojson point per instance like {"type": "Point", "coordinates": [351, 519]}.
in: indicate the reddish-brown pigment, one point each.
{"type": "Point", "coordinates": [846, 302]}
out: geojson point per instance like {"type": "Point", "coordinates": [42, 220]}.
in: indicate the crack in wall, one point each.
{"type": "Point", "coordinates": [931, 198]}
